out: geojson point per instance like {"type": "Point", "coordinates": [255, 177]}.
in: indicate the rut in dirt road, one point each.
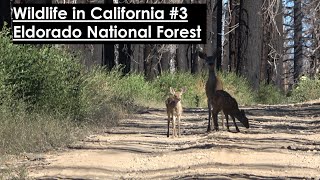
{"type": "Point", "coordinates": [282, 142]}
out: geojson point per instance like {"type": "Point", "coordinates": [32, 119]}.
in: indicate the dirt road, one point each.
{"type": "Point", "coordinates": [282, 142]}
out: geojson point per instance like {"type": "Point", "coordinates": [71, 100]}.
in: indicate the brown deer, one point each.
{"type": "Point", "coordinates": [222, 100]}
{"type": "Point", "coordinates": [213, 84]}
{"type": "Point", "coordinates": [174, 110]}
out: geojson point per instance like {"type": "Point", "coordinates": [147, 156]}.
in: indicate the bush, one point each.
{"type": "Point", "coordinates": [133, 89]}
{"type": "Point", "coordinates": [98, 104]}
{"type": "Point", "coordinates": [194, 85]}
{"type": "Point", "coordinates": [46, 96]}
{"type": "Point", "coordinates": [307, 89]}
{"type": "Point", "coordinates": [269, 94]}
{"type": "Point", "coordinates": [238, 87]}
{"type": "Point", "coordinates": [42, 77]}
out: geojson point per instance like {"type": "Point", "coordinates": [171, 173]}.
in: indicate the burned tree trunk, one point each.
{"type": "Point", "coordinates": [108, 50]}
{"type": "Point", "coordinates": [252, 53]}
{"type": "Point", "coordinates": [5, 13]}
{"type": "Point", "coordinates": [233, 35]}
{"type": "Point", "coordinates": [182, 60]}
{"type": "Point", "coordinates": [298, 64]}
{"type": "Point", "coordinates": [125, 57]}
{"type": "Point", "coordinates": [137, 58]}
{"type": "Point", "coordinates": [219, 33]}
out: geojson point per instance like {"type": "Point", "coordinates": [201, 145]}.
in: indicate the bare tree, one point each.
{"type": "Point", "coordinates": [271, 63]}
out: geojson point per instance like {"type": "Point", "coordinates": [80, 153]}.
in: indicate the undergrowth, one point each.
{"type": "Point", "coordinates": [307, 89]}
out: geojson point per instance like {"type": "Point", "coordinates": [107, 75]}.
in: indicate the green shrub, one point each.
{"type": "Point", "coordinates": [44, 77]}
{"type": "Point", "coordinates": [307, 89]}
{"type": "Point", "coordinates": [97, 98]}
{"type": "Point", "coordinates": [134, 89]}
{"type": "Point", "coordinates": [193, 84]}
{"type": "Point", "coordinates": [269, 94]}
{"type": "Point", "coordinates": [46, 96]}
{"type": "Point", "coordinates": [238, 87]}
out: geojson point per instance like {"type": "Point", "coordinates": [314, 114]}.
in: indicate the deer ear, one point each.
{"type": "Point", "coordinates": [172, 91]}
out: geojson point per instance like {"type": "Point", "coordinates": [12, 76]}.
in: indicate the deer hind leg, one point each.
{"type": "Point", "coordinates": [235, 124]}
{"type": "Point", "coordinates": [227, 120]}
{"type": "Point", "coordinates": [215, 121]}
{"type": "Point", "coordinates": [209, 118]}
{"type": "Point", "coordinates": [169, 118]}
{"type": "Point", "coordinates": [222, 119]}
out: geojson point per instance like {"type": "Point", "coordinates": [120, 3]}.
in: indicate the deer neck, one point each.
{"type": "Point", "coordinates": [212, 76]}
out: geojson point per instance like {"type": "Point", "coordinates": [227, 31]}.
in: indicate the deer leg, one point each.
{"type": "Point", "coordinates": [222, 119]}
{"type": "Point", "coordinates": [169, 118]}
{"type": "Point", "coordinates": [209, 118]}
{"type": "Point", "coordinates": [174, 126]}
{"type": "Point", "coordinates": [235, 124]}
{"type": "Point", "coordinates": [227, 119]}
{"type": "Point", "coordinates": [215, 121]}
{"type": "Point", "coordinates": [179, 132]}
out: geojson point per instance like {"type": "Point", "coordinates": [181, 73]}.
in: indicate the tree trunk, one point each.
{"type": "Point", "coordinates": [225, 44]}
{"type": "Point", "coordinates": [137, 60]}
{"type": "Point", "coordinates": [196, 62]}
{"type": "Point", "coordinates": [125, 54]}
{"type": "Point", "coordinates": [252, 53]}
{"type": "Point", "coordinates": [233, 37]}
{"type": "Point", "coordinates": [211, 43]}
{"type": "Point", "coordinates": [277, 38]}
{"type": "Point", "coordinates": [241, 35]}
{"type": "Point", "coordinates": [298, 64]}
{"type": "Point", "coordinates": [148, 62]}
{"type": "Point", "coordinates": [5, 14]}
{"type": "Point", "coordinates": [264, 65]}
{"type": "Point", "coordinates": [182, 61]}
{"type": "Point", "coordinates": [219, 33]}
{"type": "Point", "coordinates": [315, 57]}
{"type": "Point", "coordinates": [108, 56]}
{"type": "Point", "coordinates": [108, 50]}
{"type": "Point", "coordinates": [165, 60]}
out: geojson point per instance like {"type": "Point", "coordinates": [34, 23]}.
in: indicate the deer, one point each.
{"type": "Point", "coordinates": [222, 100]}
{"type": "Point", "coordinates": [174, 110]}
{"type": "Point", "coordinates": [213, 84]}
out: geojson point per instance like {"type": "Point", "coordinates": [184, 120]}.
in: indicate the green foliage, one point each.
{"type": "Point", "coordinates": [238, 87]}
{"type": "Point", "coordinates": [43, 77]}
{"type": "Point", "coordinates": [307, 89]}
{"type": "Point", "coordinates": [134, 89]}
{"type": "Point", "coordinates": [45, 96]}
{"type": "Point", "coordinates": [193, 84]}
{"type": "Point", "coordinates": [97, 98]}
{"type": "Point", "coordinates": [269, 94]}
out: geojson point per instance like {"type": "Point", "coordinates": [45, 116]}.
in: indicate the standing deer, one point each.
{"type": "Point", "coordinates": [213, 84]}
{"type": "Point", "coordinates": [174, 110]}
{"type": "Point", "coordinates": [225, 102]}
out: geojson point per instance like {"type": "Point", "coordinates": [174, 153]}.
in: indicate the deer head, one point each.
{"type": "Point", "coordinates": [177, 94]}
